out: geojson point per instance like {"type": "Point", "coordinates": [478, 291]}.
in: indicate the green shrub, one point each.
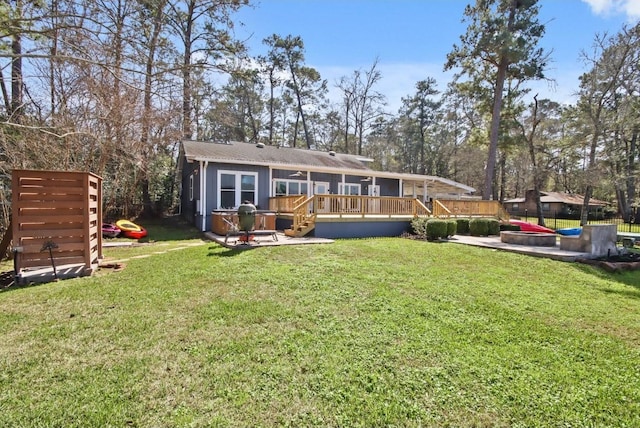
{"type": "Point", "coordinates": [436, 229]}
{"type": "Point", "coordinates": [462, 226]}
{"type": "Point", "coordinates": [479, 227]}
{"type": "Point", "coordinates": [419, 226]}
{"type": "Point", "coordinates": [493, 226]}
{"type": "Point", "coordinates": [452, 227]}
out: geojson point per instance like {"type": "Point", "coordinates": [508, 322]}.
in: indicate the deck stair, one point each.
{"type": "Point", "coordinates": [302, 229]}
{"type": "Point", "coordinates": [304, 218]}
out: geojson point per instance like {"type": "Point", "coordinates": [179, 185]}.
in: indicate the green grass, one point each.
{"type": "Point", "coordinates": [373, 332]}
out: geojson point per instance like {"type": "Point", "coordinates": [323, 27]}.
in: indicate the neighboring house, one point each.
{"type": "Point", "coordinates": [334, 189]}
{"type": "Point", "coordinates": [554, 204]}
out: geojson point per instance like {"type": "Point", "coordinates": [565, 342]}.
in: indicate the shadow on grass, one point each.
{"type": "Point", "coordinates": [630, 278]}
{"type": "Point", "coordinates": [171, 228]}
{"type": "Point", "coordinates": [633, 294]}
{"type": "Point", "coordinates": [8, 283]}
{"type": "Point", "coordinates": [228, 252]}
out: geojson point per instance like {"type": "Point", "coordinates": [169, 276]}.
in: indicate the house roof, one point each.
{"type": "Point", "coordinates": [560, 197]}
{"type": "Point", "coordinates": [245, 153]}
{"type": "Point", "coordinates": [307, 160]}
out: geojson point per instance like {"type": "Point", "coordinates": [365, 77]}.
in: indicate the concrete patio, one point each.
{"type": "Point", "coordinates": [494, 242]}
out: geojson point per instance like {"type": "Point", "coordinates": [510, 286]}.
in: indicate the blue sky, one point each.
{"type": "Point", "coordinates": [411, 38]}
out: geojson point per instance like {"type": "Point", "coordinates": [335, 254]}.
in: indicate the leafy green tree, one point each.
{"type": "Point", "coordinates": [203, 29]}
{"type": "Point", "coordinates": [304, 82]}
{"type": "Point", "coordinates": [607, 103]}
{"type": "Point", "coordinates": [500, 44]}
{"type": "Point", "coordinates": [421, 112]}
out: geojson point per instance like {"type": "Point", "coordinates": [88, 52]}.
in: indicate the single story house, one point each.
{"type": "Point", "coordinates": [554, 204]}
{"type": "Point", "coordinates": [303, 191]}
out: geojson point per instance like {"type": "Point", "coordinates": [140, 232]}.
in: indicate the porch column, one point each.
{"type": "Point", "coordinates": [400, 192]}
{"type": "Point", "coordinates": [203, 198]}
{"type": "Point", "coordinates": [424, 192]}
{"type": "Point", "coordinates": [201, 186]}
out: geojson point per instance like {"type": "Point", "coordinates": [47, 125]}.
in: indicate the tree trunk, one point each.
{"type": "Point", "coordinates": [631, 174]}
{"type": "Point", "coordinates": [495, 113]}
{"type": "Point", "coordinates": [307, 137]}
{"type": "Point", "coordinates": [148, 208]}
{"type": "Point", "coordinates": [187, 131]}
{"type": "Point", "coordinates": [16, 79]}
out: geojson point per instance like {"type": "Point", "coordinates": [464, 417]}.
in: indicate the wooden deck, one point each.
{"type": "Point", "coordinates": [305, 212]}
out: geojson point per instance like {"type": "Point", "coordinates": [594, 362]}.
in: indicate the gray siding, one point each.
{"type": "Point", "coordinates": [361, 229]}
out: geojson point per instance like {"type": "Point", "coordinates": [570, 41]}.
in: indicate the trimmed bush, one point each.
{"type": "Point", "coordinates": [462, 227]}
{"type": "Point", "coordinates": [452, 227]}
{"type": "Point", "coordinates": [419, 226]}
{"type": "Point", "coordinates": [493, 226]}
{"type": "Point", "coordinates": [436, 229]}
{"type": "Point", "coordinates": [479, 227]}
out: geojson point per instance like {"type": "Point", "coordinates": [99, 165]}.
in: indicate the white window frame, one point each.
{"type": "Point", "coordinates": [319, 184]}
{"type": "Point", "coordinates": [191, 188]}
{"type": "Point", "coordinates": [343, 186]}
{"type": "Point", "coordinates": [287, 183]}
{"type": "Point", "coordinates": [238, 187]}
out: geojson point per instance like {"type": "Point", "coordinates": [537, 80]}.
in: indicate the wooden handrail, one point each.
{"type": "Point", "coordinates": [421, 209]}
{"type": "Point", "coordinates": [439, 210]}
{"type": "Point", "coordinates": [303, 212]}
{"type": "Point", "coordinates": [285, 204]}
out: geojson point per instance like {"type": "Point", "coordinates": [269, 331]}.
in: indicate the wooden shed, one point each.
{"type": "Point", "coordinates": [58, 210]}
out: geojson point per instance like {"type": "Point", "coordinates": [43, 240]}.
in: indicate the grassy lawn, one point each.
{"type": "Point", "coordinates": [374, 332]}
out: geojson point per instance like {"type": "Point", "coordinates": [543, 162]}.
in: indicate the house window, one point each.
{"type": "Point", "coordinates": [289, 187]}
{"type": "Point", "coordinates": [515, 206]}
{"type": "Point", "coordinates": [235, 187]}
{"type": "Point", "coordinates": [546, 206]}
{"type": "Point", "coordinates": [191, 187]}
{"type": "Point", "coordinates": [349, 189]}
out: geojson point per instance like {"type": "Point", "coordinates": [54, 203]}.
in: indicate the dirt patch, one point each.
{"type": "Point", "coordinates": [114, 267]}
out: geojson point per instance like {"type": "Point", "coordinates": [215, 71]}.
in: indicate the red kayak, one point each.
{"type": "Point", "coordinates": [530, 227]}
{"type": "Point", "coordinates": [131, 230]}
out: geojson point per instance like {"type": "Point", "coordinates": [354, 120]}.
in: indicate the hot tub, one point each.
{"type": "Point", "coordinates": [265, 220]}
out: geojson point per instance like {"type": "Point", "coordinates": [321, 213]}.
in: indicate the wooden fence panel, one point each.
{"type": "Point", "coordinates": [64, 208]}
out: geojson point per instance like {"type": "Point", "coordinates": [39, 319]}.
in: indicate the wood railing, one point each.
{"type": "Point", "coordinates": [440, 210]}
{"type": "Point", "coordinates": [354, 206]}
{"type": "Point", "coordinates": [476, 208]}
{"type": "Point", "coordinates": [303, 213]}
{"type": "Point", "coordinates": [285, 204]}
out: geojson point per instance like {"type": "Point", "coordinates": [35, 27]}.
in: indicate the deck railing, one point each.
{"type": "Point", "coordinates": [354, 206]}
{"type": "Point", "coordinates": [476, 208]}
{"type": "Point", "coordinates": [308, 209]}
{"type": "Point", "coordinates": [349, 205]}
{"type": "Point", "coordinates": [285, 204]}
